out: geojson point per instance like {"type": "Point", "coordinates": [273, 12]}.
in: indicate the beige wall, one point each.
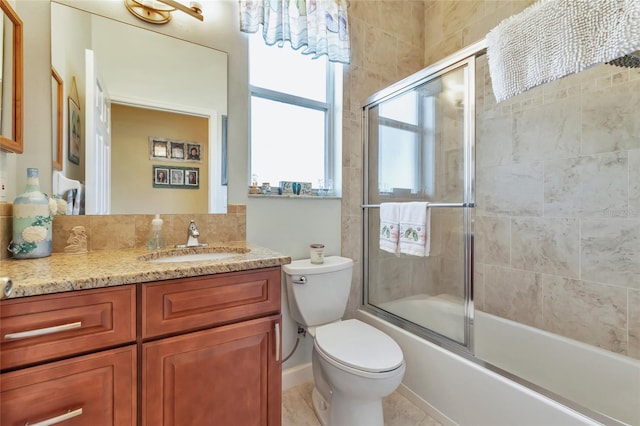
{"type": "Point", "coordinates": [132, 188]}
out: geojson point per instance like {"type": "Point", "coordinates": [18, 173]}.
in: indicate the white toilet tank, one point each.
{"type": "Point", "coordinates": [318, 293]}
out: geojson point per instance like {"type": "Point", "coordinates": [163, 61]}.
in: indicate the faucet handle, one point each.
{"type": "Point", "coordinates": [193, 229]}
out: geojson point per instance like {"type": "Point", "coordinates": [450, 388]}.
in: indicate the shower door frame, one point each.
{"type": "Point", "coordinates": [465, 57]}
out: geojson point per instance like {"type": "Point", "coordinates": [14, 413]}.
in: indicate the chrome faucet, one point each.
{"type": "Point", "coordinates": [192, 237]}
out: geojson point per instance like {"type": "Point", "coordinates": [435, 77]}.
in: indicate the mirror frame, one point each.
{"type": "Point", "coordinates": [58, 110]}
{"type": "Point", "coordinates": [15, 143]}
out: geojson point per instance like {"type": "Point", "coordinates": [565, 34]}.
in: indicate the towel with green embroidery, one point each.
{"type": "Point", "coordinates": [415, 229]}
{"type": "Point", "coordinates": [389, 226]}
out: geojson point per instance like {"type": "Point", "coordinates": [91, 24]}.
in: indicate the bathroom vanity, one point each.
{"type": "Point", "coordinates": [202, 348]}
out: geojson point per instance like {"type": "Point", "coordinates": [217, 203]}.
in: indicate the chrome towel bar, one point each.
{"type": "Point", "coordinates": [375, 206]}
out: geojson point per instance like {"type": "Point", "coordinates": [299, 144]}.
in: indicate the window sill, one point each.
{"type": "Point", "coordinates": [291, 196]}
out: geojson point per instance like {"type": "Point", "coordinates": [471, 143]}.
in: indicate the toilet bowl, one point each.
{"type": "Point", "coordinates": [354, 364]}
{"type": "Point", "coordinates": [354, 367]}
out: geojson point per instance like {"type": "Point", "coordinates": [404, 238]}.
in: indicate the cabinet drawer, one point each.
{"type": "Point", "coordinates": [187, 304]}
{"type": "Point", "coordinates": [96, 389]}
{"type": "Point", "coordinates": [39, 328]}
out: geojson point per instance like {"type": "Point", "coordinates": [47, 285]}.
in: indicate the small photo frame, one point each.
{"type": "Point", "coordinates": [193, 152]}
{"type": "Point", "coordinates": [160, 176]}
{"type": "Point", "coordinates": [177, 177]}
{"type": "Point", "coordinates": [192, 178]}
{"type": "Point", "coordinates": [177, 150]}
{"type": "Point", "coordinates": [159, 148]}
{"type": "Point", "coordinates": [174, 150]}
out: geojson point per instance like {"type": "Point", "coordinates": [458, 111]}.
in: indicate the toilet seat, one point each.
{"type": "Point", "coordinates": [352, 343]}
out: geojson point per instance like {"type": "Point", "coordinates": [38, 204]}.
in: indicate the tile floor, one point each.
{"type": "Point", "coordinates": [297, 409]}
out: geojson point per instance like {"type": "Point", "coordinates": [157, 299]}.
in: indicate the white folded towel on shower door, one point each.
{"type": "Point", "coordinates": [389, 226]}
{"type": "Point", "coordinates": [415, 228]}
{"type": "Point", "coordinates": [554, 38]}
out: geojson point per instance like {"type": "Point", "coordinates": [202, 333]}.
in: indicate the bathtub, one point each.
{"type": "Point", "coordinates": [464, 391]}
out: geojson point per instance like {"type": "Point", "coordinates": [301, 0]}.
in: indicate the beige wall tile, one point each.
{"type": "Point", "coordinates": [546, 245]}
{"type": "Point", "coordinates": [634, 183]}
{"type": "Point", "coordinates": [549, 131]}
{"type": "Point", "coordinates": [587, 186]}
{"type": "Point", "coordinates": [494, 235]}
{"type": "Point", "coordinates": [513, 294]}
{"type": "Point", "coordinates": [610, 119]}
{"type": "Point", "coordinates": [111, 232]}
{"type": "Point", "coordinates": [513, 189]}
{"type": "Point", "coordinates": [634, 323]}
{"type": "Point", "coordinates": [610, 252]}
{"type": "Point", "coordinates": [566, 302]}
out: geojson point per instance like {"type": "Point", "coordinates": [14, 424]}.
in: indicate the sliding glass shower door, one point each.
{"type": "Point", "coordinates": [419, 147]}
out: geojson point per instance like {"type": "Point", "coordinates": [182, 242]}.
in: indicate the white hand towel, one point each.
{"type": "Point", "coordinates": [415, 228]}
{"type": "Point", "coordinates": [389, 226]}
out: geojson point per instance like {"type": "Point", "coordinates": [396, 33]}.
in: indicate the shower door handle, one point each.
{"type": "Point", "coordinates": [300, 280]}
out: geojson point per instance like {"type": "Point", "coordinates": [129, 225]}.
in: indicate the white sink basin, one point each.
{"type": "Point", "coordinates": [194, 257]}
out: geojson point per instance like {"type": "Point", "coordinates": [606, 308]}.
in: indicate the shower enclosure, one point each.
{"type": "Point", "coordinates": [535, 226]}
{"type": "Point", "coordinates": [419, 146]}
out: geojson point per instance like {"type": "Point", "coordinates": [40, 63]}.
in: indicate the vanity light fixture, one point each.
{"type": "Point", "coordinates": [159, 11]}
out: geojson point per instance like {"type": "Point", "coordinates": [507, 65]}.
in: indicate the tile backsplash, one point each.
{"type": "Point", "coordinates": [112, 232]}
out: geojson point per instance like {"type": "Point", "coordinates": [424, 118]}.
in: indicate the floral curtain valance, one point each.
{"type": "Point", "coordinates": [319, 25]}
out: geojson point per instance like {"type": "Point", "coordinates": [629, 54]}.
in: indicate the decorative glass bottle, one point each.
{"type": "Point", "coordinates": [32, 220]}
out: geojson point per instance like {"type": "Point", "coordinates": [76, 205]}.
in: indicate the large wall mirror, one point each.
{"type": "Point", "coordinates": [12, 81]}
{"type": "Point", "coordinates": [132, 90]}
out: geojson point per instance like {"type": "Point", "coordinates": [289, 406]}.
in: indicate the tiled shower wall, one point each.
{"type": "Point", "coordinates": [558, 178]}
{"type": "Point", "coordinates": [558, 217]}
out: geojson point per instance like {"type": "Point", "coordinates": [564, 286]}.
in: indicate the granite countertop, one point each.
{"type": "Point", "coordinates": [66, 272]}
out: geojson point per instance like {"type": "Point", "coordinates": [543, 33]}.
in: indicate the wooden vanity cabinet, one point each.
{"type": "Point", "coordinates": [194, 351]}
{"type": "Point", "coordinates": [219, 361]}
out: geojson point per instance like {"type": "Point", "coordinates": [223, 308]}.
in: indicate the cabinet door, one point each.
{"type": "Point", "coordinates": [96, 389]}
{"type": "Point", "coordinates": [230, 375]}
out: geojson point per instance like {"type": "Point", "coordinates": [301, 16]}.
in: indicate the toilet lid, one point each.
{"type": "Point", "coordinates": [359, 345]}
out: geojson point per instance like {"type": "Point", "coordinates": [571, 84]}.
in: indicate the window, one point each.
{"type": "Point", "coordinates": [295, 115]}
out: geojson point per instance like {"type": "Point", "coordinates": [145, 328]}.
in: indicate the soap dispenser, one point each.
{"type": "Point", "coordinates": [156, 239]}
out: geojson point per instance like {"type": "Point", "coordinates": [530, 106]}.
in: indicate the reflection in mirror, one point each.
{"type": "Point", "coordinates": [146, 74]}
{"type": "Point", "coordinates": [12, 80]}
{"type": "Point", "coordinates": [130, 184]}
{"type": "Point", "coordinates": [57, 95]}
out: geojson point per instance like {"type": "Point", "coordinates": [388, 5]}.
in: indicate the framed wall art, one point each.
{"type": "Point", "coordinates": [174, 150]}
{"type": "Point", "coordinates": [176, 177]}
{"type": "Point", "coordinates": [75, 131]}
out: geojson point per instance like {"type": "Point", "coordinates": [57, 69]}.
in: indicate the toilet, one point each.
{"type": "Point", "coordinates": [354, 364]}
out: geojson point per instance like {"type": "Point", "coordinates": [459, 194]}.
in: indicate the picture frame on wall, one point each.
{"type": "Point", "coordinates": [75, 131]}
{"type": "Point", "coordinates": [177, 150]}
{"type": "Point", "coordinates": [193, 152]}
{"type": "Point", "coordinates": [177, 177]}
{"type": "Point", "coordinates": [174, 150]}
{"type": "Point", "coordinates": [159, 149]}
{"type": "Point", "coordinates": [161, 176]}
{"type": "Point", "coordinates": [174, 177]}
{"type": "Point", "coordinates": [192, 178]}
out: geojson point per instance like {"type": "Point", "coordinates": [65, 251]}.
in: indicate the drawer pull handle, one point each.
{"type": "Point", "coordinates": [277, 341]}
{"type": "Point", "coordinates": [58, 419]}
{"type": "Point", "coordinates": [43, 331]}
